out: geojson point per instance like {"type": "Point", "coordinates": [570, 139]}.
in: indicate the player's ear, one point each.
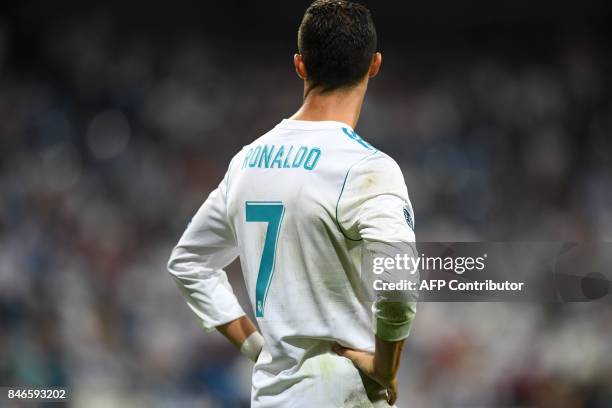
{"type": "Point", "coordinates": [300, 68]}
{"type": "Point", "coordinates": [375, 65]}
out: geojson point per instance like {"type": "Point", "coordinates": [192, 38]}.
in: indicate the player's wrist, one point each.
{"type": "Point", "coordinates": [380, 371]}
{"type": "Point", "coordinates": [383, 375]}
{"type": "Point", "coordinates": [252, 346]}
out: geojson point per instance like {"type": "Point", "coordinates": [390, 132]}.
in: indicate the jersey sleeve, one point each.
{"type": "Point", "coordinates": [207, 246]}
{"type": "Point", "coordinates": [374, 207]}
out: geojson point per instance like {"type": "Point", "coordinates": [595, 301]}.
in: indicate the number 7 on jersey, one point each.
{"type": "Point", "coordinates": [272, 213]}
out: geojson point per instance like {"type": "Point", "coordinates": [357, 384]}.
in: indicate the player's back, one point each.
{"type": "Point", "coordinates": [287, 195]}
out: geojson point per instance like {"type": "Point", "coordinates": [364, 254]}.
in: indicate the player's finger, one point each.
{"type": "Point", "coordinates": [391, 396]}
{"type": "Point", "coordinates": [346, 352]}
{"type": "Point", "coordinates": [338, 349]}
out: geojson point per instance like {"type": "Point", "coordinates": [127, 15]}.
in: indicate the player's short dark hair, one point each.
{"type": "Point", "coordinates": [337, 40]}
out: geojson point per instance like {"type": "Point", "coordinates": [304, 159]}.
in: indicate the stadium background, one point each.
{"type": "Point", "coordinates": [117, 120]}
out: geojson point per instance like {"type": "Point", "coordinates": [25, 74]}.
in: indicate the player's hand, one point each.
{"type": "Point", "coordinates": [365, 362]}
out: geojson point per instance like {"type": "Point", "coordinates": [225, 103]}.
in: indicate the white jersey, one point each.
{"type": "Point", "coordinates": [296, 205]}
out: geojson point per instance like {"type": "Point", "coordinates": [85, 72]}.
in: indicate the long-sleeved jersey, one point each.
{"type": "Point", "coordinates": [296, 206]}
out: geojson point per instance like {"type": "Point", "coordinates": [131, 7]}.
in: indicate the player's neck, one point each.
{"type": "Point", "coordinates": [343, 105]}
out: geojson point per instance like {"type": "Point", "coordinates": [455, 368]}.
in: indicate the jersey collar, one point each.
{"type": "Point", "coordinates": [311, 124]}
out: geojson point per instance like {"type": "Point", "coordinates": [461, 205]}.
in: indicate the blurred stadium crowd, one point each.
{"type": "Point", "coordinates": [109, 143]}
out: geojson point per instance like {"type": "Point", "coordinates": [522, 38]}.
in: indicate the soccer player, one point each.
{"type": "Point", "coordinates": [297, 205]}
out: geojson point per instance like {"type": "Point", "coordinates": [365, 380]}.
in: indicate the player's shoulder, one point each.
{"type": "Point", "coordinates": [380, 161]}
{"type": "Point", "coordinates": [369, 158]}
